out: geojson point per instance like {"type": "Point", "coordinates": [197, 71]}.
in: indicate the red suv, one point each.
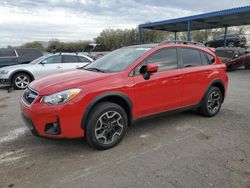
{"type": "Point", "coordinates": [101, 100]}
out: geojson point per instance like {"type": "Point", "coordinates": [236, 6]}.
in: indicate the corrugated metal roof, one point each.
{"type": "Point", "coordinates": [229, 17]}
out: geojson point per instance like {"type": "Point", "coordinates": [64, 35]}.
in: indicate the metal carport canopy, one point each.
{"type": "Point", "coordinates": [224, 18]}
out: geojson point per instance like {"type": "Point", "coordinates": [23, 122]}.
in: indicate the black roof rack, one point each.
{"type": "Point", "coordinates": [180, 42]}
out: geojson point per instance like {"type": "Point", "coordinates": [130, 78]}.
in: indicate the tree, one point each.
{"type": "Point", "coordinates": [34, 44]}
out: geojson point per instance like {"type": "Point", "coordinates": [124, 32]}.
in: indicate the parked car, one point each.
{"type": "Point", "coordinates": [233, 40]}
{"type": "Point", "coordinates": [101, 100]}
{"type": "Point", "coordinates": [94, 51]}
{"type": "Point", "coordinates": [234, 57]}
{"type": "Point", "coordinates": [20, 76]}
{"type": "Point", "coordinates": [9, 56]}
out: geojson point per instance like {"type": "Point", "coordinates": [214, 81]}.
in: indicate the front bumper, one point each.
{"type": "Point", "coordinates": [5, 82]}
{"type": "Point", "coordinates": [38, 116]}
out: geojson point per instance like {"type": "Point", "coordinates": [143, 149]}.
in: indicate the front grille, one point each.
{"type": "Point", "coordinates": [29, 96]}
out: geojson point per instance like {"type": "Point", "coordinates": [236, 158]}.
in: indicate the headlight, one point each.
{"type": "Point", "coordinates": [61, 97]}
{"type": "Point", "coordinates": [4, 72]}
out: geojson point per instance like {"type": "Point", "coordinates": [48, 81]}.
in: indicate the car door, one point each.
{"type": "Point", "coordinates": [196, 72]}
{"type": "Point", "coordinates": [48, 66]}
{"type": "Point", "coordinates": [162, 91]}
{"type": "Point", "coordinates": [71, 62]}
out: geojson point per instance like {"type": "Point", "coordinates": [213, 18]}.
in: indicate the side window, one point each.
{"type": "Point", "coordinates": [70, 59]}
{"type": "Point", "coordinates": [190, 57]}
{"type": "Point", "coordinates": [7, 53]}
{"type": "Point", "coordinates": [83, 59]}
{"type": "Point", "coordinates": [52, 59]}
{"type": "Point", "coordinates": [204, 58]}
{"type": "Point", "coordinates": [165, 58]}
{"type": "Point", "coordinates": [211, 59]}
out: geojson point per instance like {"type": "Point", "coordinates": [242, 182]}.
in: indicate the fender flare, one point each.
{"type": "Point", "coordinates": [101, 97]}
{"type": "Point", "coordinates": [215, 81]}
{"type": "Point", "coordinates": [19, 71]}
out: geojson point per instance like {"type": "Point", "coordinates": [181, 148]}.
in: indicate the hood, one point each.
{"type": "Point", "coordinates": [67, 80]}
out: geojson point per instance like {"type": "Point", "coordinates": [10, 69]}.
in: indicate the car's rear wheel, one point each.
{"type": "Point", "coordinates": [247, 65]}
{"type": "Point", "coordinates": [21, 81]}
{"type": "Point", "coordinates": [106, 126]}
{"type": "Point", "coordinates": [229, 68]}
{"type": "Point", "coordinates": [212, 102]}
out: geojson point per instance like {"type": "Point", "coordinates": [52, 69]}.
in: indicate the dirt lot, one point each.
{"type": "Point", "coordinates": [180, 150]}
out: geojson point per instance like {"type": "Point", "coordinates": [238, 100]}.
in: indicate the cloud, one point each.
{"type": "Point", "coordinates": [70, 20]}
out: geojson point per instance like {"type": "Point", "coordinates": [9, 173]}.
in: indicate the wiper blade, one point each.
{"type": "Point", "coordinates": [94, 69]}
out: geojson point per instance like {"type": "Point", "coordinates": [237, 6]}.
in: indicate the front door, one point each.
{"type": "Point", "coordinates": [48, 66]}
{"type": "Point", "coordinates": [162, 92]}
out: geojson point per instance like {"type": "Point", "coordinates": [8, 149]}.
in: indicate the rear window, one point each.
{"type": "Point", "coordinates": [83, 59]}
{"type": "Point", "coordinates": [225, 53]}
{"type": "Point", "coordinates": [7, 52]}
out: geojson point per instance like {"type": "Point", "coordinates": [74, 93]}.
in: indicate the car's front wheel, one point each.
{"type": "Point", "coordinates": [212, 102]}
{"type": "Point", "coordinates": [21, 81]}
{"type": "Point", "coordinates": [106, 126]}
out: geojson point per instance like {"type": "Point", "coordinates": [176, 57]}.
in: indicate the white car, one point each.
{"type": "Point", "coordinates": [19, 76]}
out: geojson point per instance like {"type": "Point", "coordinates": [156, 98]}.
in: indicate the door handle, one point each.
{"type": "Point", "coordinates": [177, 77]}
{"type": "Point", "coordinates": [208, 71]}
{"type": "Point", "coordinates": [58, 67]}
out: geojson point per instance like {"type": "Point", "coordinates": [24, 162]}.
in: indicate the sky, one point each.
{"type": "Point", "coordinates": [72, 20]}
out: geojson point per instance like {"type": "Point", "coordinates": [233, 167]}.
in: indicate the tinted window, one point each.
{"type": "Point", "coordinates": [225, 53]}
{"type": "Point", "coordinates": [70, 59]}
{"type": "Point", "coordinates": [190, 57]}
{"type": "Point", "coordinates": [7, 52]}
{"type": "Point", "coordinates": [53, 59]}
{"type": "Point", "coordinates": [83, 59]}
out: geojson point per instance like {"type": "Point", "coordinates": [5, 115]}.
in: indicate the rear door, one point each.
{"type": "Point", "coordinates": [162, 92]}
{"type": "Point", "coordinates": [196, 71]}
{"type": "Point", "coordinates": [71, 62]}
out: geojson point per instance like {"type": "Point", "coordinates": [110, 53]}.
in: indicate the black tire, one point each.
{"type": "Point", "coordinates": [229, 68]}
{"type": "Point", "coordinates": [108, 133]}
{"type": "Point", "coordinates": [247, 65]}
{"type": "Point", "coordinates": [23, 84]}
{"type": "Point", "coordinates": [207, 105]}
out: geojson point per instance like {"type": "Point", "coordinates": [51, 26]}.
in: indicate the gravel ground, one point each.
{"type": "Point", "coordinates": [178, 150]}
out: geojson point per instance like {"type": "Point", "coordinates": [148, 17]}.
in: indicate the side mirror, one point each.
{"type": "Point", "coordinates": [236, 55]}
{"type": "Point", "coordinates": [147, 70]}
{"type": "Point", "coordinates": [43, 62]}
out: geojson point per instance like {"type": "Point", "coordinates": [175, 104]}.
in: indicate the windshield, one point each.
{"type": "Point", "coordinates": [117, 60]}
{"type": "Point", "coordinates": [224, 53]}
{"type": "Point", "coordinates": [38, 60]}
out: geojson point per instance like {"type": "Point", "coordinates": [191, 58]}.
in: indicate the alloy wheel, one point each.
{"type": "Point", "coordinates": [214, 102]}
{"type": "Point", "coordinates": [22, 81]}
{"type": "Point", "coordinates": [109, 127]}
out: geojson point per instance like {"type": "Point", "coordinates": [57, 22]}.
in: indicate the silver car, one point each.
{"type": "Point", "coordinates": [19, 76]}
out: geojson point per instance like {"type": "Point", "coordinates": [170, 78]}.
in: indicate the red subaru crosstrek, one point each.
{"type": "Point", "coordinates": [101, 100]}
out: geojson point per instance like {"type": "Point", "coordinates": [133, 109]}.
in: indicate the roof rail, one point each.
{"type": "Point", "coordinates": [180, 42]}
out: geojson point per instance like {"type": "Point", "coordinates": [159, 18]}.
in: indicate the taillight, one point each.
{"type": "Point", "coordinates": [224, 67]}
